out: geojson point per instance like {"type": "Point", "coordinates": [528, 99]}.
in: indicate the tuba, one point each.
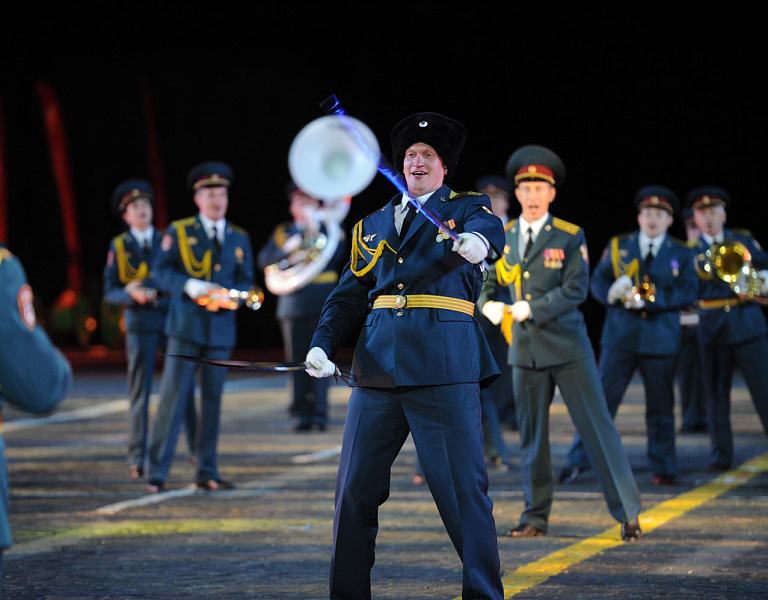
{"type": "Point", "coordinates": [327, 160]}
{"type": "Point", "coordinates": [731, 262]}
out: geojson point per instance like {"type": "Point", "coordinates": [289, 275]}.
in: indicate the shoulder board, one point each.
{"type": "Point", "coordinates": [183, 222]}
{"type": "Point", "coordinates": [565, 226]}
{"type": "Point", "coordinates": [455, 195]}
{"type": "Point", "coordinates": [237, 229]}
{"type": "Point", "coordinates": [125, 235]}
{"type": "Point", "coordinates": [624, 236]}
{"type": "Point", "coordinates": [744, 232]}
{"type": "Point", "coordinates": [692, 243]}
{"type": "Point", "coordinates": [510, 224]}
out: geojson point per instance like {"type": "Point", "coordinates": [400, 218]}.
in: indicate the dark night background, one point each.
{"type": "Point", "coordinates": [626, 95]}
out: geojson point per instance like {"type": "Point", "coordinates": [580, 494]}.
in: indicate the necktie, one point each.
{"type": "Point", "coordinates": [215, 240]}
{"type": "Point", "coordinates": [528, 242]}
{"type": "Point", "coordinates": [409, 216]}
{"type": "Point", "coordinates": [649, 256]}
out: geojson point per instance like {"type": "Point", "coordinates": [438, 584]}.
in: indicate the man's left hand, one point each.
{"type": "Point", "coordinates": [471, 247]}
{"type": "Point", "coordinates": [521, 310]}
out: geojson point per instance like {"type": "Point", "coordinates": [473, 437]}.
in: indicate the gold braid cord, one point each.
{"type": "Point", "coordinates": [195, 268]}
{"type": "Point", "coordinates": [357, 244]}
{"type": "Point", "coordinates": [125, 269]}
{"type": "Point", "coordinates": [619, 267]}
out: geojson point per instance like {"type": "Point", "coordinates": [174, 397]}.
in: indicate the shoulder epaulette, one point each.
{"type": "Point", "coordinates": [744, 232]}
{"type": "Point", "coordinates": [238, 229]}
{"type": "Point", "coordinates": [462, 194]}
{"type": "Point", "coordinates": [183, 222]}
{"type": "Point", "coordinates": [509, 225]}
{"type": "Point", "coordinates": [565, 226]}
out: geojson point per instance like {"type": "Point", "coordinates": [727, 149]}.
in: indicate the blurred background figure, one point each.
{"type": "Point", "coordinates": [689, 377]}
{"type": "Point", "coordinates": [299, 246]}
{"type": "Point", "coordinates": [34, 375]}
{"type": "Point", "coordinates": [497, 401]}
{"type": "Point", "coordinates": [129, 283]}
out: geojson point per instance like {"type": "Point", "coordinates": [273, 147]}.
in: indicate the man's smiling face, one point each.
{"type": "Point", "coordinates": [423, 169]}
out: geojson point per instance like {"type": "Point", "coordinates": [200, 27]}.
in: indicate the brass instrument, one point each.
{"type": "Point", "coordinates": [731, 262]}
{"type": "Point", "coordinates": [644, 290]}
{"type": "Point", "coordinates": [231, 299]}
{"type": "Point", "coordinates": [327, 161]}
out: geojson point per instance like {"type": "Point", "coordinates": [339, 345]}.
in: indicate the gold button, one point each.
{"type": "Point", "coordinates": [217, 268]}
{"type": "Point", "coordinates": [526, 275]}
{"type": "Point", "coordinates": [400, 314]}
{"type": "Point", "coordinates": [400, 302]}
{"type": "Point", "coordinates": [400, 259]}
{"type": "Point", "coordinates": [527, 296]}
{"type": "Point", "coordinates": [400, 286]}
{"type": "Point", "coordinates": [727, 308]}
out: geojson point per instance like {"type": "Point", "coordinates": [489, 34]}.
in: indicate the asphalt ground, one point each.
{"type": "Point", "coordinates": [84, 529]}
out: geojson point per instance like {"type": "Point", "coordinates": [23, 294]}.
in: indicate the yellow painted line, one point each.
{"type": "Point", "coordinates": [539, 571]}
{"type": "Point", "coordinates": [169, 527]}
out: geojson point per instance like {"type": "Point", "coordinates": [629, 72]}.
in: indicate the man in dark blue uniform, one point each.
{"type": "Point", "coordinates": [644, 279]}
{"type": "Point", "coordinates": [732, 329]}
{"type": "Point", "coordinates": [200, 256]}
{"type": "Point", "coordinates": [34, 376]}
{"type": "Point", "coordinates": [299, 310]}
{"type": "Point", "coordinates": [419, 361]}
{"type": "Point", "coordinates": [129, 282]}
{"type": "Point", "coordinates": [546, 266]}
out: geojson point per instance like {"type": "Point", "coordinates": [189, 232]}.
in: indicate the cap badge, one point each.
{"type": "Point", "coordinates": [423, 123]}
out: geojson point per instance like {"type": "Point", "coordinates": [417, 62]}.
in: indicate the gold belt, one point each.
{"type": "Point", "coordinates": [425, 301]}
{"type": "Point", "coordinates": [720, 303]}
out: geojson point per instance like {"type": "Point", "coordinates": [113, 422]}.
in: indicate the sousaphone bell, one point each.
{"type": "Point", "coordinates": [332, 159]}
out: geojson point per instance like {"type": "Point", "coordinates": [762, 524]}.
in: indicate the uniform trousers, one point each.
{"type": "Point", "coordinates": [718, 360]}
{"type": "Point", "coordinates": [582, 393]}
{"type": "Point", "coordinates": [175, 393]}
{"type": "Point", "coordinates": [658, 372]}
{"type": "Point", "coordinates": [141, 351]}
{"type": "Point", "coordinates": [690, 383]}
{"type": "Point", "coordinates": [444, 421]}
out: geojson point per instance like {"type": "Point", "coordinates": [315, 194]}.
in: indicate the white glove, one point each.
{"type": "Point", "coordinates": [321, 366]}
{"type": "Point", "coordinates": [196, 288]}
{"type": "Point", "coordinates": [471, 247]}
{"type": "Point", "coordinates": [494, 311]}
{"type": "Point", "coordinates": [292, 243]}
{"type": "Point", "coordinates": [619, 289]}
{"type": "Point", "coordinates": [763, 277]}
{"type": "Point", "coordinates": [634, 303]}
{"type": "Point", "coordinates": [521, 310]}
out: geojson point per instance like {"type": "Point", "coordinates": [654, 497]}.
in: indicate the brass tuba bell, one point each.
{"type": "Point", "coordinates": [731, 262]}
{"type": "Point", "coordinates": [332, 158]}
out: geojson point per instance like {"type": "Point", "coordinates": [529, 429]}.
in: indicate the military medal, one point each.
{"type": "Point", "coordinates": [675, 267]}
{"type": "Point", "coordinates": [443, 235]}
{"type": "Point", "coordinates": [553, 258]}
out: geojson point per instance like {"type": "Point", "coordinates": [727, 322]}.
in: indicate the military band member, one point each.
{"type": "Point", "coordinates": [34, 376]}
{"type": "Point", "coordinates": [299, 310]}
{"type": "Point", "coordinates": [643, 279]}
{"type": "Point", "coordinates": [732, 329]}
{"type": "Point", "coordinates": [129, 282]}
{"type": "Point", "coordinates": [419, 360]}
{"type": "Point", "coordinates": [199, 257]}
{"type": "Point", "coordinates": [546, 266]}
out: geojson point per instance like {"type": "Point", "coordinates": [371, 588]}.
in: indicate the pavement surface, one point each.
{"type": "Point", "coordinates": [84, 529]}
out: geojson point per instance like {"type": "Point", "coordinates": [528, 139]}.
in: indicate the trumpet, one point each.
{"type": "Point", "coordinates": [231, 299]}
{"type": "Point", "coordinates": [731, 262]}
{"type": "Point", "coordinates": [644, 290]}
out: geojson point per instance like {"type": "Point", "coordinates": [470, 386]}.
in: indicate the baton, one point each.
{"type": "Point", "coordinates": [253, 366]}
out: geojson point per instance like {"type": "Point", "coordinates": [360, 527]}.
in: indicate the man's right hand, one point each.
{"type": "Point", "coordinates": [494, 311]}
{"type": "Point", "coordinates": [319, 365]}
{"type": "Point", "coordinates": [197, 288]}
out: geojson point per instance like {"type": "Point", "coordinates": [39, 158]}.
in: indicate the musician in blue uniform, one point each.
{"type": "Point", "coordinates": [419, 361]}
{"type": "Point", "coordinates": [299, 310]}
{"type": "Point", "coordinates": [546, 267]}
{"type": "Point", "coordinates": [644, 279]}
{"type": "Point", "coordinates": [34, 376]}
{"type": "Point", "coordinates": [199, 257]}
{"type": "Point", "coordinates": [732, 328]}
{"type": "Point", "coordinates": [129, 283]}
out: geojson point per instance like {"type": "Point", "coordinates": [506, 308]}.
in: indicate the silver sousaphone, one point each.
{"type": "Point", "coordinates": [332, 158]}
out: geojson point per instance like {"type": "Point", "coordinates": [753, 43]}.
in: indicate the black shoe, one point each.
{"type": "Point", "coordinates": [525, 531]}
{"type": "Point", "coordinates": [570, 474]}
{"type": "Point", "coordinates": [630, 531]}
{"type": "Point", "coordinates": [155, 486]}
{"type": "Point", "coordinates": [303, 427]}
{"type": "Point", "coordinates": [715, 468]}
{"type": "Point", "coordinates": [214, 485]}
